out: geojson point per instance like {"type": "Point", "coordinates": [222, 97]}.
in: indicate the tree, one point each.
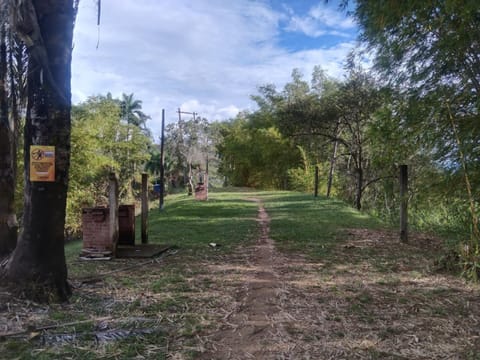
{"type": "Point", "coordinates": [358, 100]}
{"type": "Point", "coordinates": [188, 145]}
{"type": "Point", "coordinates": [132, 114]}
{"type": "Point", "coordinates": [13, 97]}
{"type": "Point", "coordinates": [335, 115]}
{"type": "Point", "coordinates": [38, 262]}
{"type": "Point", "coordinates": [8, 223]}
{"type": "Point", "coordinates": [429, 50]}
{"type": "Point", "coordinates": [100, 146]}
{"type": "Point", "coordinates": [256, 156]}
{"type": "Point", "coordinates": [154, 163]}
{"type": "Point", "coordinates": [424, 44]}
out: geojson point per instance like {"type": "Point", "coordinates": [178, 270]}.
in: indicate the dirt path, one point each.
{"type": "Point", "coordinates": [367, 296]}
{"type": "Point", "coordinates": [371, 298]}
{"type": "Point", "coordinates": [253, 328]}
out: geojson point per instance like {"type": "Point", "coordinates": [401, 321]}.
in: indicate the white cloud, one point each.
{"type": "Point", "coordinates": [206, 56]}
{"type": "Point", "coordinates": [211, 111]}
{"type": "Point", "coordinates": [308, 25]}
{"type": "Point", "coordinates": [320, 20]}
{"type": "Point", "coordinates": [331, 18]}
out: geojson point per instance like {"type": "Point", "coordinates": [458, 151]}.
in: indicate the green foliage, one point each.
{"type": "Point", "coordinates": [102, 143]}
{"type": "Point", "coordinates": [377, 129]}
{"type": "Point", "coordinates": [424, 43]}
{"type": "Point", "coordinates": [303, 179]}
{"type": "Point", "coordinates": [131, 112]}
{"type": "Point", "coordinates": [469, 254]}
{"type": "Point", "coordinates": [427, 51]}
{"type": "Point", "coordinates": [256, 157]}
{"type": "Point", "coordinates": [331, 123]}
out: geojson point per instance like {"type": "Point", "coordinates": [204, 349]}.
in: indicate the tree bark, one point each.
{"type": "Point", "coordinates": [190, 179]}
{"type": "Point", "coordinates": [331, 170]}
{"type": "Point", "coordinates": [359, 188]}
{"type": "Point", "coordinates": [38, 262]}
{"type": "Point", "coordinates": [8, 220]}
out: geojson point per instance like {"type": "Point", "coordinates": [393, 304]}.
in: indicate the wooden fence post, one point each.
{"type": "Point", "coordinates": [162, 159]}
{"type": "Point", "coordinates": [113, 211]}
{"type": "Point", "coordinates": [404, 203]}
{"type": "Point", "coordinates": [144, 208]}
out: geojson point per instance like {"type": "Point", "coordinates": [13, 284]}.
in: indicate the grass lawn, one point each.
{"type": "Point", "coordinates": [159, 308]}
{"type": "Point", "coordinates": [311, 225]}
{"type": "Point", "coordinates": [154, 296]}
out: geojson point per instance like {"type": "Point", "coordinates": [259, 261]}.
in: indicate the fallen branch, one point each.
{"type": "Point", "coordinates": [99, 277]}
{"type": "Point", "coordinates": [49, 327]}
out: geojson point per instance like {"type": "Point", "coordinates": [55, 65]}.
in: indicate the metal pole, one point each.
{"type": "Point", "coordinates": [162, 159]}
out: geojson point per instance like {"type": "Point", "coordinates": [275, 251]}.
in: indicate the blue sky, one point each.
{"type": "Point", "coordinates": [206, 56]}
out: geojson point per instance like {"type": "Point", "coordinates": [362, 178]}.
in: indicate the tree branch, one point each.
{"type": "Point", "coordinates": [375, 180]}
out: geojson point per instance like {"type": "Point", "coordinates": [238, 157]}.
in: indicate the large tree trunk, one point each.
{"type": "Point", "coordinates": [8, 220]}
{"type": "Point", "coordinates": [38, 262]}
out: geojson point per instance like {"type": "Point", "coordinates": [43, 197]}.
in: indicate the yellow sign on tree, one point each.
{"type": "Point", "coordinates": [42, 163]}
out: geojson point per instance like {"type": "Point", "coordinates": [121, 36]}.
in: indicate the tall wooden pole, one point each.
{"type": "Point", "coordinates": [404, 203]}
{"type": "Point", "coordinates": [316, 181]}
{"type": "Point", "coordinates": [206, 176]}
{"type": "Point", "coordinates": [332, 168]}
{"type": "Point", "coordinates": [144, 208]}
{"type": "Point", "coordinates": [113, 211]}
{"type": "Point", "coordinates": [162, 159]}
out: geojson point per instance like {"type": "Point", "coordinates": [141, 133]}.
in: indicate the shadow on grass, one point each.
{"type": "Point", "coordinates": [226, 219]}
{"type": "Point", "coordinates": [302, 223]}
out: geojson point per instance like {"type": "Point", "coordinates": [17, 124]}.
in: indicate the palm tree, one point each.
{"type": "Point", "coordinates": [132, 114]}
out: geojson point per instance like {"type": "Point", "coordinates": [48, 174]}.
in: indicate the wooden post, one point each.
{"type": "Point", "coordinates": [144, 208]}
{"type": "Point", "coordinates": [162, 159]}
{"type": "Point", "coordinates": [333, 160]}
{"type": "Point", "coordinates": [316, 181]}
{"type": "Point", "coordinates": [404, 203]}
{"type": "Point", "coordinates": [206, 177]}
{"type": "Point", "coordinates": [113, 211]}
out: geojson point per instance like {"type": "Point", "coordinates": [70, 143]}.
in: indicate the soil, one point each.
{"type": "Point", "coordinates": [252, 328]}
{"type": "Point", "coordinates": [371, 297]}
{"type": "Point", "coordinates": [275, 307]}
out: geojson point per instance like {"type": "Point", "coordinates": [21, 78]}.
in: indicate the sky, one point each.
{"type": "Point", "coordinates": [203, 56]}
